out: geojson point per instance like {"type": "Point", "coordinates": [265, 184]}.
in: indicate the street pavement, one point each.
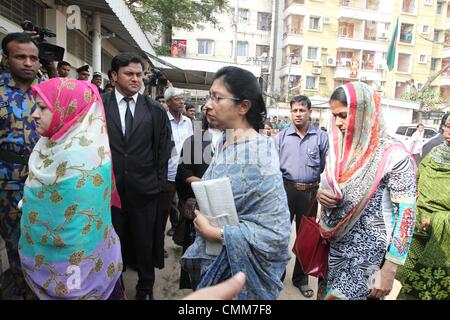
{"type": "Point", "coordinates": [167, 279]}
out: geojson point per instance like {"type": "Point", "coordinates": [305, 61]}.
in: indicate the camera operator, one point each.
{"type": "Point", "coordinates": [48, 53]}
{"type": "Point", "coordinates": [17, 138]}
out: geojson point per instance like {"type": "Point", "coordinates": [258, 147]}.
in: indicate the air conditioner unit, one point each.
{"type": "Point", "coordinates": [326, 20]}
{"type": "Point", "coordinates": [331, 61]}
{"type": "Point", "coordinates": [383, 35]}
{"type": "Point", "coordinates": [316, 71]}
{"type": "Point", "coordinates": [317, 63]}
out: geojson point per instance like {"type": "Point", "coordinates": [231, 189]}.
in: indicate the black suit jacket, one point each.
{"type": "Point", "coordinates": [140, 166]}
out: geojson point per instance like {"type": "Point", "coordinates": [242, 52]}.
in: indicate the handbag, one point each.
{"type": "Point", "coordinates": [311, 249]}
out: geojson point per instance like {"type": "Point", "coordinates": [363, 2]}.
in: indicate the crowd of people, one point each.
{"type": "Point", "coordinates": [90, 177]}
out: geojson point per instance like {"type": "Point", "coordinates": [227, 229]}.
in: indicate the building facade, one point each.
{"type": "Point", "coordinates": [326, 43]}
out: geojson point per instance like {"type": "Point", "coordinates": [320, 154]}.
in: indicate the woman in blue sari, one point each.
{"type": "Point", "coordinates": [258, 245]}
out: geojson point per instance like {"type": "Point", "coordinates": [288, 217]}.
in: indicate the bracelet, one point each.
{"type": "Point", "coordinates": [222, 237]}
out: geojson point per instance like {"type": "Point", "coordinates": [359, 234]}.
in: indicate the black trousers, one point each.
{"type": "Point", "coordinates": [300, 203]}
{"type": "Point", "coordinates": [138, 230]}
{"type": "Point", "coordinates": [166, 200]}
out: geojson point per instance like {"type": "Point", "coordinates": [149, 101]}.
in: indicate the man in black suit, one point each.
{"type": "Point", "coordinates": [140, 139]}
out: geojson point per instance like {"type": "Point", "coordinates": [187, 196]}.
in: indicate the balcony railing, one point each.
{"type": "Point", "coordinates": [292, 31]}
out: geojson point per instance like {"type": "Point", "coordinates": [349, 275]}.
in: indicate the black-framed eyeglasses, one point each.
{"type": "Point", "coordinates": [217, 99]}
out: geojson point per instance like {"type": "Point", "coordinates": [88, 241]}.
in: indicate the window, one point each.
{"type": "Point", "coordinates": [401, 130]}
{"type": "Point", "coordinates": [423, 58]}
{"type": "Point", "coordinates": [410, 131]}
{"type": "Point", "coordinates": [437, 35]}
{"type": "Point", "coordinates": [19, 10]}
{"type": "Point", "coordinates": [439, 6]}
{"type": "Point", "coordinates": [404, 63]}
{"type": "Point", "coordinates": [264, 21]}
{"type": "Point", "coordinates": [106, 61]}
{"type": "Point", "coordinates": [313, 52]}
{"type": "Point", "coordinates": [242, 49]}
{"type": "Point", "coordinates": [428, 2]}
{"type": "Point", "coordinates": [262, 50]}
{"type": "Point", "coordinates": [79, 45]}
{"type": "Point", "coordinates": [311, 83]}
{"type": "Point", "coordinates": [425, 29]}
{"type": "Point", "coordinates": [419, 86]}
{"type": "Point", "coordinates": [205, 47]}
{"type": "Point", "coordinates": [409, 6]}
{"type": "Point", "coordinates": [406, 33]}
{"type": "Point", "coordinates": [434, 63]}
{"type": "Point", "coordinates": [314, 23]}
{"type": "Point", "coordinates": [243, 16]}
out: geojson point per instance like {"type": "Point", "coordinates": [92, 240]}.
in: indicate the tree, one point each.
{"type": "Point", "coordinates": [161, 16]}
{"type": "Point", "coordinates": [426, 96]}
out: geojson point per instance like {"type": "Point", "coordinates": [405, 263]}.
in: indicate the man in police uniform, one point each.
{"type": "Point", "coordinates": [18, 136]}
{"type": "Point", "coordinates": [83, 73]}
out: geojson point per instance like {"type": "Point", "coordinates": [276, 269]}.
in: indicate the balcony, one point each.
{"type": "Point", "coordinates": [292, 70]}
{"type": "Point", "coordinates": [361, 44]}
{"type": "Point", "coordinates": [445, 80]}
{"type": "Point", "coordinates": [365, 75]}
{"type": "Point", "coordinates": [294, 9]}
{"type": "Point", "coordinates": [364, 10]}
{"type": "Point", "coordinates": [293, 36]}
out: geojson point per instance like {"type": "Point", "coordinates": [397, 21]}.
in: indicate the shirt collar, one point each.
{"type": "Point", "coordinates": [311, 130]}
{"type": "Point", "coordinates": [172, 118]}
{"type": "Point", "coordinates": [119, 97]}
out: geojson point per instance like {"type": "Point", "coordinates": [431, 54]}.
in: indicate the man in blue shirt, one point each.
{"type": "Point", "coordinates": [302, 148]}
{"type": "Point", "coordinates": [17, 139]}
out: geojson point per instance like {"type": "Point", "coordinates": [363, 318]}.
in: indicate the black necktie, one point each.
{"type": "Point", "coordinates": [128, 119]}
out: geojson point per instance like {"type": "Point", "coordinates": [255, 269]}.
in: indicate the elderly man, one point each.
{"type": "Point", "coordinates": [181, 130]}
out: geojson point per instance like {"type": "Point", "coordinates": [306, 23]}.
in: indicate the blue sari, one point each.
{"type": "Point", "coordinates": [258, 245]}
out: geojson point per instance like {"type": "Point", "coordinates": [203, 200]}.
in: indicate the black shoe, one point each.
{"type": "Point", "coordinates": [171, 232]}
{"type": "Point", "coordinates": [144, 295]}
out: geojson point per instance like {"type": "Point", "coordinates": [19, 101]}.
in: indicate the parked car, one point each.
{"type": "Point", "coordinates": [405, 131]}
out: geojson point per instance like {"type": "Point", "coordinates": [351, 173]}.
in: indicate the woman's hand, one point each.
{"type": "Point", "coordinates": [204, 228]}
{"type": "Point", "coordinates": [327, 199]}
{"type": "Point", "coordinates": [425, 224]}
{"type": "Point", "coordinates": [383, 280]}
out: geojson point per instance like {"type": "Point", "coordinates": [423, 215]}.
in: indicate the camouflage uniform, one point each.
{"type": "Point", "coordinates": [17, 136]}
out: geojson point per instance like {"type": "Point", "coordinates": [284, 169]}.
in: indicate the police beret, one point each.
{"type": "Point", "coordinates": [83, 68]}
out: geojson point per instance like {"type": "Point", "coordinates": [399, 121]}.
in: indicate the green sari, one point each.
{"type": "Point", "coordinates": [426, 274]}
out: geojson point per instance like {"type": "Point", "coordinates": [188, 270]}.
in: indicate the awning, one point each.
{"type": "Point", "coordinates": [117, 18]}
{"type": "Point", "coordinates": [197, 73]}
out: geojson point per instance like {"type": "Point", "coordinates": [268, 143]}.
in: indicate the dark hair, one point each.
{"type": "Point", "coordinates": [62, 64]}
{"type": "Point", "coordinates": [243, 85]}
{"type": "Point", "coordinates": [443, 122]}
{"type": "Point", "coordinates": [124, 59]}
{"type": "Point", "coordinates": [267, 123]}
{"type": "Point", "coordinates": [108, 85]}
{"type": "Point", "coordinates": [420, 125]}
{"type": "Point", "coordinates": [303, 100]}
{"type": "Point", "coordinates": [188, 106]}
{"type": "Point", "coordinates": [20, 37]}
{"type": "Point", "coordinates": [109, 74]}
{"type": "Point", "coordinates": [339, 95]}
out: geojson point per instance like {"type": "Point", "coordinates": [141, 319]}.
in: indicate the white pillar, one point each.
{"type": "Point", "coordinates": [97, 44]}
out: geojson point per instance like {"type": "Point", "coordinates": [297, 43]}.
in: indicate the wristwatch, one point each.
{"type": "Point", "coordinates": [222, 237]}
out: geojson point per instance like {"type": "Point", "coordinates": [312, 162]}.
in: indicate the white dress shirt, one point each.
{"type": "Point", "coordinates": [123, 107]}
{"type": "Point", "coordinates": [180, 132]}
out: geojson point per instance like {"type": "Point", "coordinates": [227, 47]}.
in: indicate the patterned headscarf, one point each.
{"type": "Point", "coordinates": [356, 161]}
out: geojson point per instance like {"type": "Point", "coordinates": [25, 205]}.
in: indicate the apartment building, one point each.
{"type": "Point", "coordinates": [246, 42]}
{"type": "Point", "coordinates": [329, 42]}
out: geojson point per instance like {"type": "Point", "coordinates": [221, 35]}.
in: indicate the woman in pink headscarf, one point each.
{"type": "Point", "coordinates": [68, 246]}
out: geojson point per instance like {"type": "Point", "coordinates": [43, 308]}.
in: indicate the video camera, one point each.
{"type": "Point", "coordinates": [155, 78]}
{"type": "Point", "coordinates": [47, 51]}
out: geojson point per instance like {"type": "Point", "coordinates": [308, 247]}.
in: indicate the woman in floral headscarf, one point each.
{"type": "Point", "coordinates": [368, 195]}
{"type": "Point", "coordinates": [68, 246]}
{"type": "Point", "coordinates": [426, 273]}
